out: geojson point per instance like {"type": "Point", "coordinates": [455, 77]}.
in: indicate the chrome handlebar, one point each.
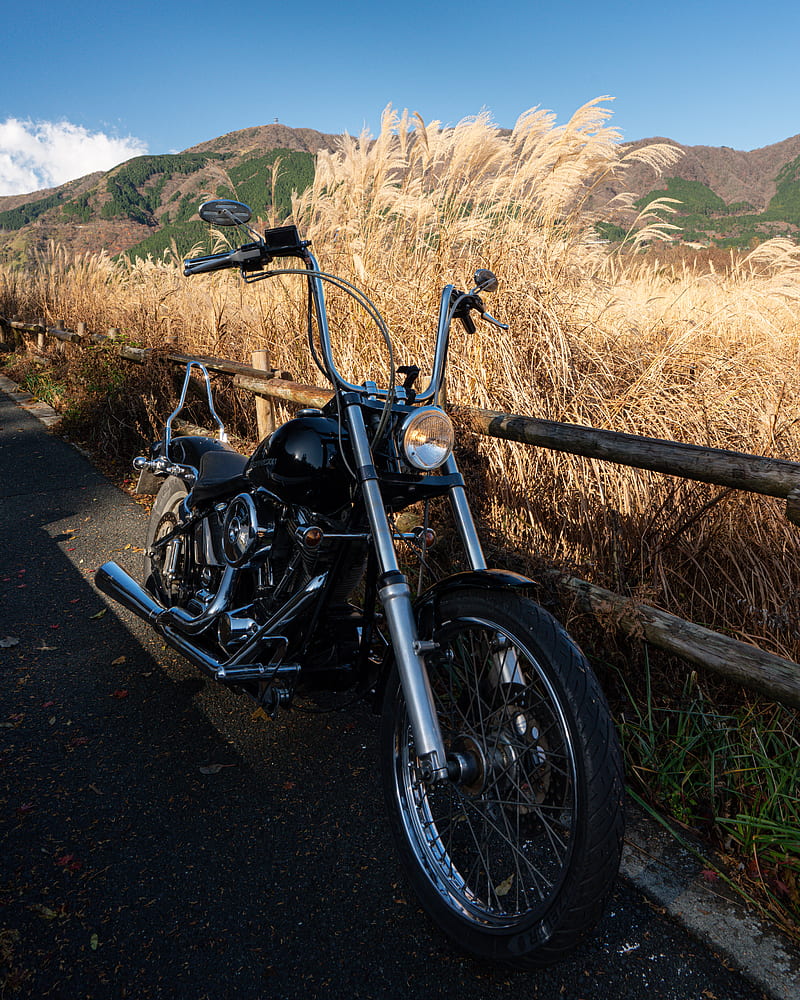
{"type": "Point", "coordinates": [253, 257]}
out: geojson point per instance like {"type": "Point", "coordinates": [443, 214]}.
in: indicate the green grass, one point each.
{"type": "Point", "coordinates": [729, 774]}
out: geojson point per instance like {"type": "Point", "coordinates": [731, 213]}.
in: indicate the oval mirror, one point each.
{"type": "Point", "coordinates": [485, 280]}
{"type": "Point", "coordinates": [223, 212]}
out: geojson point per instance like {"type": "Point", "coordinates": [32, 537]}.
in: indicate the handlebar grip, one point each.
{"type": "Point", "coordinates": [468, 323]}
{"type": "Point", "coordinates": [249, 257]}
{"type": "Point", "coordinates": [212, 262]}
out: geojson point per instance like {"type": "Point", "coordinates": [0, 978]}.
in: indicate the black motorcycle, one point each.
{"type": "Point", "coordinates": [278, 574]}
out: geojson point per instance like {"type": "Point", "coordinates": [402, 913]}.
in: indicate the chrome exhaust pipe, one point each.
{"type": "Point", "coordinates": [114, 581]}
{"type": "Point", "coordinates": [119, 585]}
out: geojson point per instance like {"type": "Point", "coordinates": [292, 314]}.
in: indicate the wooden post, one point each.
{"type": "Point", "coordinates": [265, 408]}
{"type": "Point", "coordinates": [41, 335]}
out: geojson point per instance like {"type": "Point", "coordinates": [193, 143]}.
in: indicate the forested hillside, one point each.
{"type": "Point", "coordinates": [718, 196]}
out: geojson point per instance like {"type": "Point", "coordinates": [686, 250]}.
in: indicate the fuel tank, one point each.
{"type": "Point", "coordinates": [301, 462]}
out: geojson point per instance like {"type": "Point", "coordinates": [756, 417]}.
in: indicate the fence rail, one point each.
{"type": "Point", "coordinates": [747, 664]}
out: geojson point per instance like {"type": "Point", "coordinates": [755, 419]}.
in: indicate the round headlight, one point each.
{"type": "Point", "coordinates": [427, 438]}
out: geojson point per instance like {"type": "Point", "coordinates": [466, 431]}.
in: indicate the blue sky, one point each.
{"type": "Point", "coordinates": [86, 82]}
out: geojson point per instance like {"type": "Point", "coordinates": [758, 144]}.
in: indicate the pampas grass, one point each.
{"type": "Point", "coordinates": [606, 338]}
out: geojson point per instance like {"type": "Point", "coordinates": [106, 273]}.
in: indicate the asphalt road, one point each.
{"type": "Point", "coordinates": [156, 841]}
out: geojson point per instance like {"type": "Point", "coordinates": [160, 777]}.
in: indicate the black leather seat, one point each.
{"type": "Point", "coordinates": [221, 475]}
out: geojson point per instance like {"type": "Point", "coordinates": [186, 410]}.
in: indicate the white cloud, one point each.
{"type": "Point", "coordinates": [35, 155]}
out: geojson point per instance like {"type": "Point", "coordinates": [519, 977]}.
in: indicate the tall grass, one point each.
{"type": "Point", "coordinates": [611, 339]}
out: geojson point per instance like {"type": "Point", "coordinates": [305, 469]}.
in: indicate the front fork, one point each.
{"type": "Point", "coordinates": [395, 596]}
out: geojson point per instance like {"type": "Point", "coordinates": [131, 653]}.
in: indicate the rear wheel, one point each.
{"type": "Point", "coordinates": [166, 566]}
{"type": "Point", "coordinates": [515, 857]}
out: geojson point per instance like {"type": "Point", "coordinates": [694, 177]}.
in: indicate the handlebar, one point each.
{"type": "Point", "coordinates": [285, 242]}
{"type": "Point", "coordinates": [247, 257]}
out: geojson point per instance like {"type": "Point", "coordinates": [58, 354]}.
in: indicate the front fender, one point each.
{"type": "Point", "coordinates": [482, 579]}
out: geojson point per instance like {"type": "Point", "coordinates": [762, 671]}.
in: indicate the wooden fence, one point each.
{"type": "Point", "coordinates": [745, 663]}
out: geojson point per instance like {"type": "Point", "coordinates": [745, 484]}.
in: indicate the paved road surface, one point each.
{"type": "Point", "coordinates": [158, 842]}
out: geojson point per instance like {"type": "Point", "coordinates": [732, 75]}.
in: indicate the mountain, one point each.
{"type": "Point", "coordinates": [149, 203]}
{"type": "Point", "coordinates": [728, 197]}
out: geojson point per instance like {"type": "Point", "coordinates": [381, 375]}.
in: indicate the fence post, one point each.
{"type": "Point", "coordinates": [265, 408]}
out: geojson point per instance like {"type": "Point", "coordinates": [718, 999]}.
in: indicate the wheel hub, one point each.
{"type": "Point", "coordinates": [514, 754]}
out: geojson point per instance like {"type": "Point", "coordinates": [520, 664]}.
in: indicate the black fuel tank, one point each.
{"type": "Point", "coordinates": [301, 462]}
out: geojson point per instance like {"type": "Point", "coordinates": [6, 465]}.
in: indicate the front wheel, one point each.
{"type": "Point", "coordinates": [516, 855]}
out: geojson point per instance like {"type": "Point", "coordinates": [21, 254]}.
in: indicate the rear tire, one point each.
{"type": "Point", "coordinates": [165, 586]}
{"type": "Point", "coordinates": [516, 859]}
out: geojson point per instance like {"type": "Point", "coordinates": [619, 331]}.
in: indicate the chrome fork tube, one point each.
{"type": "Point", "coordinates": [505, 665]}
{"type": "Point", "coordinates": [395, 596]}
{"type": "Point", "coordinates": [463, 519]}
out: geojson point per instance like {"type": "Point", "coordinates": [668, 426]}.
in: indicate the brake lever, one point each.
{"type": "Point", "coordinates": [493, 321]}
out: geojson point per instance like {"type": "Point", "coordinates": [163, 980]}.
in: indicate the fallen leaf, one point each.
{"type": "Point", "coordinates": [99, 614]}
{"type": "Point", "coordinates": [119, 659]}
{"type": "Point", "coordinates": [211, 769]}
{"type": "Point", "coordinates": [70, 862]}
{"type": "Point", "coordinates": [505, 886]}
{"type": "Point", "coordinates": [121, 693]}
{"type": "Point", "coordinates": [93, 942]}
{"type": "Point", "coordinates": [8, 641]}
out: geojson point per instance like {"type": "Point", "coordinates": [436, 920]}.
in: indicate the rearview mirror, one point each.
{"type": "Point", "coordinates": [485, 281]}
{"type": "Point", "coordinates": [223, 212]}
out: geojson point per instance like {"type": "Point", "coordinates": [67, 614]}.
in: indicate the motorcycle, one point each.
{"type": "Point", "coordinates": [278, 574]}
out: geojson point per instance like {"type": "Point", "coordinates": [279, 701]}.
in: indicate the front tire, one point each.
{"type": "Point", "coordinates": [516, 857]}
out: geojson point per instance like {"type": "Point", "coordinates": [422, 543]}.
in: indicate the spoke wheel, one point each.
{"type": "Point", "coordinates": [515, 855]}
{"type": "Point", "coordinates": [166, 567]}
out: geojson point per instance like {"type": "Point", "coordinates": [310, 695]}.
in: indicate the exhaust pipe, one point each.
{"type": "Point", "coordinates": [119, 585]}
{"type": "Point", "coordinates": [114, 581]}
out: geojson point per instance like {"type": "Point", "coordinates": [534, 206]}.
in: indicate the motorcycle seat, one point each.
{"type": "Point", "coordinates": [221, 474]}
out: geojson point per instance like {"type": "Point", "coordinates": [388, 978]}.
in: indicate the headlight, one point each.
{"type": "Point", "coordinates": [427, 438]}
